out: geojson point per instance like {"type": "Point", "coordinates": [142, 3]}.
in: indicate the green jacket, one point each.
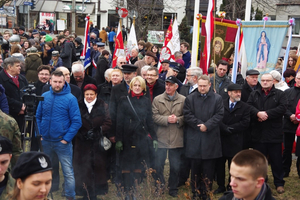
{"type": "Point", "coordinates": [9, 187]}
{"type": "Point", "coordinates": [9, 129]}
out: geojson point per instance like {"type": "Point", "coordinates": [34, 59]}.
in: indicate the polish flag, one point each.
{"type": "Point", "coordinates": [119, 47]}
{"type": "Point", "coordinates": [131, 42]}
{"type": "Point", "coordinates": [165, 53]}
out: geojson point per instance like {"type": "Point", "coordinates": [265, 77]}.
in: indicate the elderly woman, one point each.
{"type": "Point", "coordinates": [134, 123]}
{"type": "Point", "coordinates": [90, 162]}
{"type": "Point", "coordinates": [33, 175]}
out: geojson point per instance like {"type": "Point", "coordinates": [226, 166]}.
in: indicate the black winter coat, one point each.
{"type": "Point", "coordinates": [66, 54]}
{"type": "Point", "coordinates": [102, 66]}
{"type": "Point", "coordinates": [223, 89]}
{"type": "Point", "coordinates": [116, 93]}
{"type": "Point", "coordinates": [130, 131]}
{"type": "Point", "coordinates": [209, 111]}
{"type": "Point", "coordinates": [184, 90]}
{"type": "Point", "coordinates": [14, 95]}
{"type": "Point", "coordinates": [158, 88]}
{"type": "Point", "coordinates": [293, 96]}
{"type": "Point", "coordinates": [90, 163]}
{"type": "Point", "coordinates": [246, 91]}
{"type": "Point", "coordinates": [87, 80]}
{"type": "Point", "coordinates": [104, 91]}
{"type": "Point", "coordinates": [275, 104]}
{"type": "Point", "coordinates": [239, 120]}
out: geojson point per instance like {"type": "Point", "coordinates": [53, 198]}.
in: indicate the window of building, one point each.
{"type": "Point", "coordinates": [296, 28]}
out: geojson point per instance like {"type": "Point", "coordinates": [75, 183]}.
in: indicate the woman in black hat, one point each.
{"type": "Point", "coordinates": [33, 174]}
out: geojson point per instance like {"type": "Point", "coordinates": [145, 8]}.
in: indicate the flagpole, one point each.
{"type": "Point", "coordinates": [195, 34]}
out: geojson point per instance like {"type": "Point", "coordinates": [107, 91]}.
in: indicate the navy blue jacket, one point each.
{"type": "Point", "coordinates": [3, 101]}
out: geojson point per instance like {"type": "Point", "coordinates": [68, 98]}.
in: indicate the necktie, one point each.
{"type": "Point", "coordinates": [231, 106]}
{"type": "Point", "coordinates": [191, 89]}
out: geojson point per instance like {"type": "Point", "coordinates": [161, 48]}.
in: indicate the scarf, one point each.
{"type": "Point", "coordinates": [219, 80]}
{"type": "Point", "coordinates": [151, 90]}
{"type": "Point", "coordinates": [90, 105]}
{"type": "Point", "coordinates": [14, 79]}
{"type": "Point", "coordinates": [260, 196]}
{"type": "Point", "coordinates": [136, 95]}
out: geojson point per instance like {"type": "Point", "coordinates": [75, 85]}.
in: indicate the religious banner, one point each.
{"type": "Point", "coordinates": [156, 37]}
{"type": "Point", "coordinates": [222, 42]}
{"type": "Point", "coordinates": [263, 42]}
{"type": "Point", "coordinates": [119, 47]}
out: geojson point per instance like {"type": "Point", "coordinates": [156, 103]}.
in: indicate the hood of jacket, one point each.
{"type": "Point", "coordinates": [66, 89]}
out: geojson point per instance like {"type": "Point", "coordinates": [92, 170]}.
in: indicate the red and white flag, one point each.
{"type": "Point", "coordinates": [119, 47]}
{"type": "Point", "coordinates": [209, 26]}
{"type": "Point", "coordinates": [165, 53]}
{"type": "Point", "coordinates": [174, 43]}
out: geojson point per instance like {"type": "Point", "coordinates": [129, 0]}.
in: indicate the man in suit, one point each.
{"type": "Point", "coordinates": [235, 121]}
{"type": "Point", "coordinates": [192, 75]}
{"type": "Point", "coordinates": [203, 111]}
{"type": "Point", "coordinates": [13, 82]}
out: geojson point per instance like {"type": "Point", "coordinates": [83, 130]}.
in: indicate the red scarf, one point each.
{"type": "Point", "coordinates": [136, 95]}
{"type": "Point", "coordinates": [14, 79]}
{"type": "Point", "coordinates": [151, 90]}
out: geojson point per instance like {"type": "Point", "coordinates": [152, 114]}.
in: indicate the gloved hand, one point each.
{"type": "Point", "coordinates": [229, 129]}
{"type": "Point", "coordinates": [155, 145]}
{"type": "Point", "coordinates": [119, 146]}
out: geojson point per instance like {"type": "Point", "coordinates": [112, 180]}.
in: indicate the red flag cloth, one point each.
{"type": "Point", "coordinates": [222, 42]}
{"type": "Point", "coordinates": [119, 47]}
{"type": "Point", "coordinates": [165, 53]}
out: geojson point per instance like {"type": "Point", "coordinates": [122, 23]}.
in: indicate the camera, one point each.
{"type": "Point", "coordinates": [30, 99]}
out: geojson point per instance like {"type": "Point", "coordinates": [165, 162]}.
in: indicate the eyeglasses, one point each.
{"type": "Point", "coordinates": [123, 62]}
{"type": "Point", "coordinates": [189, 75]}
{"type": "Point", "coordinates": [151, 75]}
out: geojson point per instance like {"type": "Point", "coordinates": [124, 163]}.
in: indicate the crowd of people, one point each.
{"type": "Point", "coordinates": [113, 122]}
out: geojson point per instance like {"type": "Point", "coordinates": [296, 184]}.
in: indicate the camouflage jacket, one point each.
{"type": "Point", "coordinates": [9, 128]}
{"type": "Point", "coordinates": [9, 187]}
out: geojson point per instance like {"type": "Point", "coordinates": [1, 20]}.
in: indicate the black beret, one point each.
{"type": "Point", "coordinates": [5, 145]}
{"type": "Point", "coordinates": [31, 162]}
{"type": "Point", "coordinates": [43, 33]}
{"type": "Point", "coordinates": [165, 61]}
{"type": "Point", "coordinates": [210, 70]}
{"type": "Point", "coordinates": [234, 86]}
{"type": "Point", "coordinates": [22, 28]}
{"type": "Point", "coordinates": [175, 66]}
{"type": "Point", "coordinates": [252, 72]}
{"type": "Point", "coordinates": [171, 79]}
{"type": "Point", "coordinates": [128, 68]}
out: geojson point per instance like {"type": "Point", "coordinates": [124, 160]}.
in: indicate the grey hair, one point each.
{"type": "Point", "coordinates": [77, 67]}
{"type": "Point", "coordinates": [145, 68]}
{"type": "Point", "coordinates": [10, 61]}
{"type": "Point", "coordinates": [107, 73]}
{"type": "Point", "coordinates": [195, 71]}
{"type": "Point", "coordinates": [177, 53]}
{"type": "Point", "coordinates": [119, 58]}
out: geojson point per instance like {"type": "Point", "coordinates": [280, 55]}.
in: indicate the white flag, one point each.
{"type": "Point", "coordinates": [174, 43]}
{"type": "Point", "coordinates": [131, 42]}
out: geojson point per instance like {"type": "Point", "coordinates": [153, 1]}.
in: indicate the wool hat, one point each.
{"type": "Point", "coordinates": [90, 87]}
{"type": "Point", "coordinates": [234, 86]}
{"type": "Point", "coordinates": [276, 75]}
{"type": "Point", "coordinates": [55, 53]}
{"type": "Point", "coordinates": [31, 162]}
{"type": "Point", "coordinates": [48, 38]}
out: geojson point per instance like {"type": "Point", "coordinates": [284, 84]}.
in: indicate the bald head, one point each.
{"type": "Point", "coordinates": [65, 71]}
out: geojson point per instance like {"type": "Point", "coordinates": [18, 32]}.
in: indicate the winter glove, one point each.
{"type": "Point", "coordinates": [119, 146]}
{"type": "Point", "coordinates": [155, 145]}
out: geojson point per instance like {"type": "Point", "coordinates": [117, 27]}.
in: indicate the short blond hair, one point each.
{"type": "Point", "coordinates": [139, 79]}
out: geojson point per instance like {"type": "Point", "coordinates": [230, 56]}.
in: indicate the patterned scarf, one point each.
{"type": "Point", "coordinates": [260, 196]}
{"type": "Point", "coordinates": [14, 79]}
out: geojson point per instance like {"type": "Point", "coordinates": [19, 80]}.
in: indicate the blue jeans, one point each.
{"type": "Point", "coordinates": [64, 153]}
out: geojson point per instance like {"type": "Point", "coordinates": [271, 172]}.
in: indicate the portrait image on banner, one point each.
{"type": "Point", "coordinates": [47, 20]}
{"type": "Point", "coordinates": [222, 42]}
{"type": "Point", "coordinates": [263, 41]}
